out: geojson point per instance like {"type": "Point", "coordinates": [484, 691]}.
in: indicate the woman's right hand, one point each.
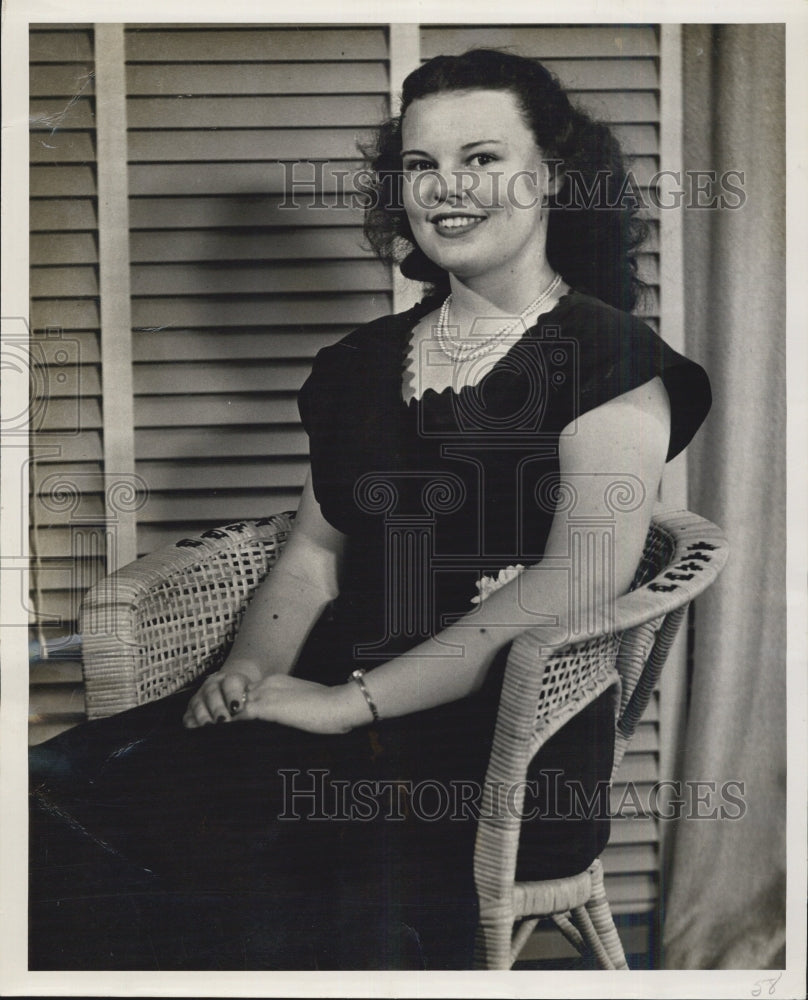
{"type": "Point", "coordinates": [219, 699]}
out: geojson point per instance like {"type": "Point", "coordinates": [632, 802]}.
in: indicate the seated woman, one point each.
{"type": "Point", "coordinates": [295, 813]}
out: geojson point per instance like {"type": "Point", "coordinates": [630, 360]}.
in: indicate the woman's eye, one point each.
{"type": "Point", "coordinates": [419, 165]}
{"type": "Point", "coordinates": [482, 159]}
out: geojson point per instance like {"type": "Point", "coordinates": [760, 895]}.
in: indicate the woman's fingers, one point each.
{"type": "Point", "coordinates": [234, 693]}
{"type": "Point", "coordinates": [215, 700]}
{"type": "Point", "coordinates": [221, 698]}
{"type": "Point", "coordinates": [197, 713]}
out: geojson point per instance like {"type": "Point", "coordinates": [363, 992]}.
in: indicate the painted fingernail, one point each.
{"type": "Point", "coordinates": [220, 718]}
{"type": "Point", "coordinates": [235, 706]}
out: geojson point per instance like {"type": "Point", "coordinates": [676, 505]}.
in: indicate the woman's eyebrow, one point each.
{"type": "Point", "coordinates": [464, 147]}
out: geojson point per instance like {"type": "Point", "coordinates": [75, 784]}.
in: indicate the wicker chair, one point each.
{"type": "Point", "coordinates": [156, 625]}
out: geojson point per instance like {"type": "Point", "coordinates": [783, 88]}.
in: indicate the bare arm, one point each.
{"type": "Point", "coordinates": [280, 615]}
{"type": "Point", "coordinates": [303, 581]}
{"type": "Point", "coordinates": [625, 439]}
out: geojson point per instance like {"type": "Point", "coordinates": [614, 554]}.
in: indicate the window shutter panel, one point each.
{"type": "Point", "coordinates": [67, 506]}
{"type": "Point", "coordinates": [232, 293]}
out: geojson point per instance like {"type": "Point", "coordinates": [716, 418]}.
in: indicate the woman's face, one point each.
{"type": "Point", "coordinates": [474, 184]}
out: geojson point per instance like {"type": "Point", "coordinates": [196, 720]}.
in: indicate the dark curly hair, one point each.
{"type": "Point", "coordinates": [593, 230]}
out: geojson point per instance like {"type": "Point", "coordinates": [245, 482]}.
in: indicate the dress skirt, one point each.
{"type": "Point", "coordinates": [250, 845]}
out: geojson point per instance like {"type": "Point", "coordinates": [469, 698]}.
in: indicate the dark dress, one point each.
{"type": "Point", "coordinates": [257, 846]}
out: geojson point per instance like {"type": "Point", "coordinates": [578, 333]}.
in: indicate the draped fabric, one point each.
{"type": "Point", "coordinates": [726, 900]}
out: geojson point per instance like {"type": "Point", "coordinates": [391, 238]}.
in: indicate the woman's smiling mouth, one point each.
{"type": "Point", "coordinates": [456, 225]}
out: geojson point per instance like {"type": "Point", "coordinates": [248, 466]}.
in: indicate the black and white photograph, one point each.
{"type": "Point", "coordinates": [399, 576]}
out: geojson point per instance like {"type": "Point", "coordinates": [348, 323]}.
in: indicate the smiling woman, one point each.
{"type": "Point", "coordinates": [450, 444]}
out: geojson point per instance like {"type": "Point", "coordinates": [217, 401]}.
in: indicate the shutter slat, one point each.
{"type": "Point", "coordinates": [59, 282]}
{"type": "Point", "coordinates": [53, 113]}
{"type": "Point", "coordinates": [288, 245]}
{"type": "Point", "coordinates": [88, 508]}
{"type": "Point", "coordinates": [200, 279]}
{"type": "Point", "coordinates": [626, 859]}
{"type": "Point", "coordinates": [221, 441]}
{"type": "Point", "coordinates": [221, 79]}
{"type": "Point", "coordinates": [631, 106]}
{"type": "Point", "coordinates": [51, 699]}
{"type": "Point", "coordinates": [224, 507]}
{"type": "Point", "coordinates": [579, 42]}
{"type": "Point", "coordinates": [183, 476]}
{"type": "Point", "coordinates": [50, 215]}
{"type": "Point", "coordinates": [62, 415]}
{"type": "Point", "coordinates": [71, 381]}
{"type": "Point", "coordinates": [637, 891]}
{"type": "Point", "coordinates": [81, 445]}
{"type": "Point", "coordinates": [230, 378]}
{"type": "Point", "coordinates": [241, 311]}
{"type": "Point", "coordinates": [636, 767]}
{"type": "Point", "coordinates": [62, 80]}
{"type": "Point", "coordinates": [64, 248]}
{"type": "Point", "coordinates": [605, 74]}
{"type": "Point", "coordinates": [167, 345]}
{"type": "Point", "coordinates": [62, 147]}
{"type": "Point", "coordinates": [56, 671]}
{"type": "Point", "coordinates": [62, 182]}
{"type": "Point", "coordinates": [332, 178]}
{"type": "Point", "coordinates": [61, 44]}
{"type": "Point", "coordinates": [242, 45]}
{"type": "Point", "coordinates": [226, 113]}
{"type": "Point", "coordinates": [231, 211]}
{"type": "Point", "coordinates": [240, 144]}
{"type": "Point", "coordinates": [204, 411]}
{"type": "Point", "coordinates": [633, 831]}
{"type": "Point", "coordinates": [67, 314]}
{"type": "Point", "coordinates": [638, 140]}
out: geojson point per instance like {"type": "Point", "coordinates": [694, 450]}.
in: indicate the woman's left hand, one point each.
{"type": "Point", "coordinates": [302, 704]}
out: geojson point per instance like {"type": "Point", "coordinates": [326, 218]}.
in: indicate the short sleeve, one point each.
{"type": "Point", "coordinates": [347, 407]}
{"type": "Point", "coordinates": [319, 402]}
{"type": "Point", "coordinates": [619, 352]}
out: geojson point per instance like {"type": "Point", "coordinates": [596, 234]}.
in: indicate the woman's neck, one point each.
{"type": "Point", "coordinates": [476, 300]}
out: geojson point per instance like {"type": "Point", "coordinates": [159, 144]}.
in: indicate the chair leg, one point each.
{"type": "Point", "coordinates": [520, 938]}
{"type": "Point", "coordinates": [570, 931]}
{"type": "Point", "coordinates": [492, 944]}
{"type": "Point", "coordinates": [592, 942]}
{"type": "Point", "coordinates": [599, 917]}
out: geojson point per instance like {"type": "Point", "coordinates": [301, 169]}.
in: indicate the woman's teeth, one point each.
{"type": "Point", "coordinates": [457, 222]}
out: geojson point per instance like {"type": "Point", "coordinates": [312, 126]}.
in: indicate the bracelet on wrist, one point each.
{"type": "Point", "coordinates": [358, 676]}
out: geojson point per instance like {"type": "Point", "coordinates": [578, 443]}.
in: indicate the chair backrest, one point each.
{"type": "Point", "coordinates": [548, 680]}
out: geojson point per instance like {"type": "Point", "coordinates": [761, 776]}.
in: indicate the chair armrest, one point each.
{"type": "Point", "coordinates": [549, 679]}
{"type": "Point", "coordinates": [162, 621]}
{"type": "Point", "coordinates": [542, 658]}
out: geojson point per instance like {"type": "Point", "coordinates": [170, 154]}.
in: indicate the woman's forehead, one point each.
{"type": "Point", "coordinates": [455, 114]}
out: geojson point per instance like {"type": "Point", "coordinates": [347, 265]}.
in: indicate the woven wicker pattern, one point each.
{"type": "Point", "coordinates": [156, 625]}
{"type": "Point", "coordinates": [161, 622]}
{"type": "Point", "coordinates": [546, 682]}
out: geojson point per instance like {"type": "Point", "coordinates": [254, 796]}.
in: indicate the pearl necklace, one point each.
{"type": "Point", "coordinates": [465, 351]}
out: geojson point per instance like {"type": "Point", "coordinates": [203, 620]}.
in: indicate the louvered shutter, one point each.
{"type": "Point", "coordinates": [611, 71]}
{"type": "Point", "coordinates": [233, 294]}
{"type": "Point", "coordinates": [67, 508]}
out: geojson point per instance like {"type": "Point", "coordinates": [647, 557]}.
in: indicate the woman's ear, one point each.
{"type": "Point", "coordinates": [555, 176]}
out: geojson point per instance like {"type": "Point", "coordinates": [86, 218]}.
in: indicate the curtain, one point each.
{"type": "Point", "coordinates": [725, 898]}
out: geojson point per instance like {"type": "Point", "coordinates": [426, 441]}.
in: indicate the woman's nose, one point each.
{"type": "Point", "coordinates": [440, 186]}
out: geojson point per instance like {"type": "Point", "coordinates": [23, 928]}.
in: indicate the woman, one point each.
{"type": "Point", "coordinates": [429, 534]}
